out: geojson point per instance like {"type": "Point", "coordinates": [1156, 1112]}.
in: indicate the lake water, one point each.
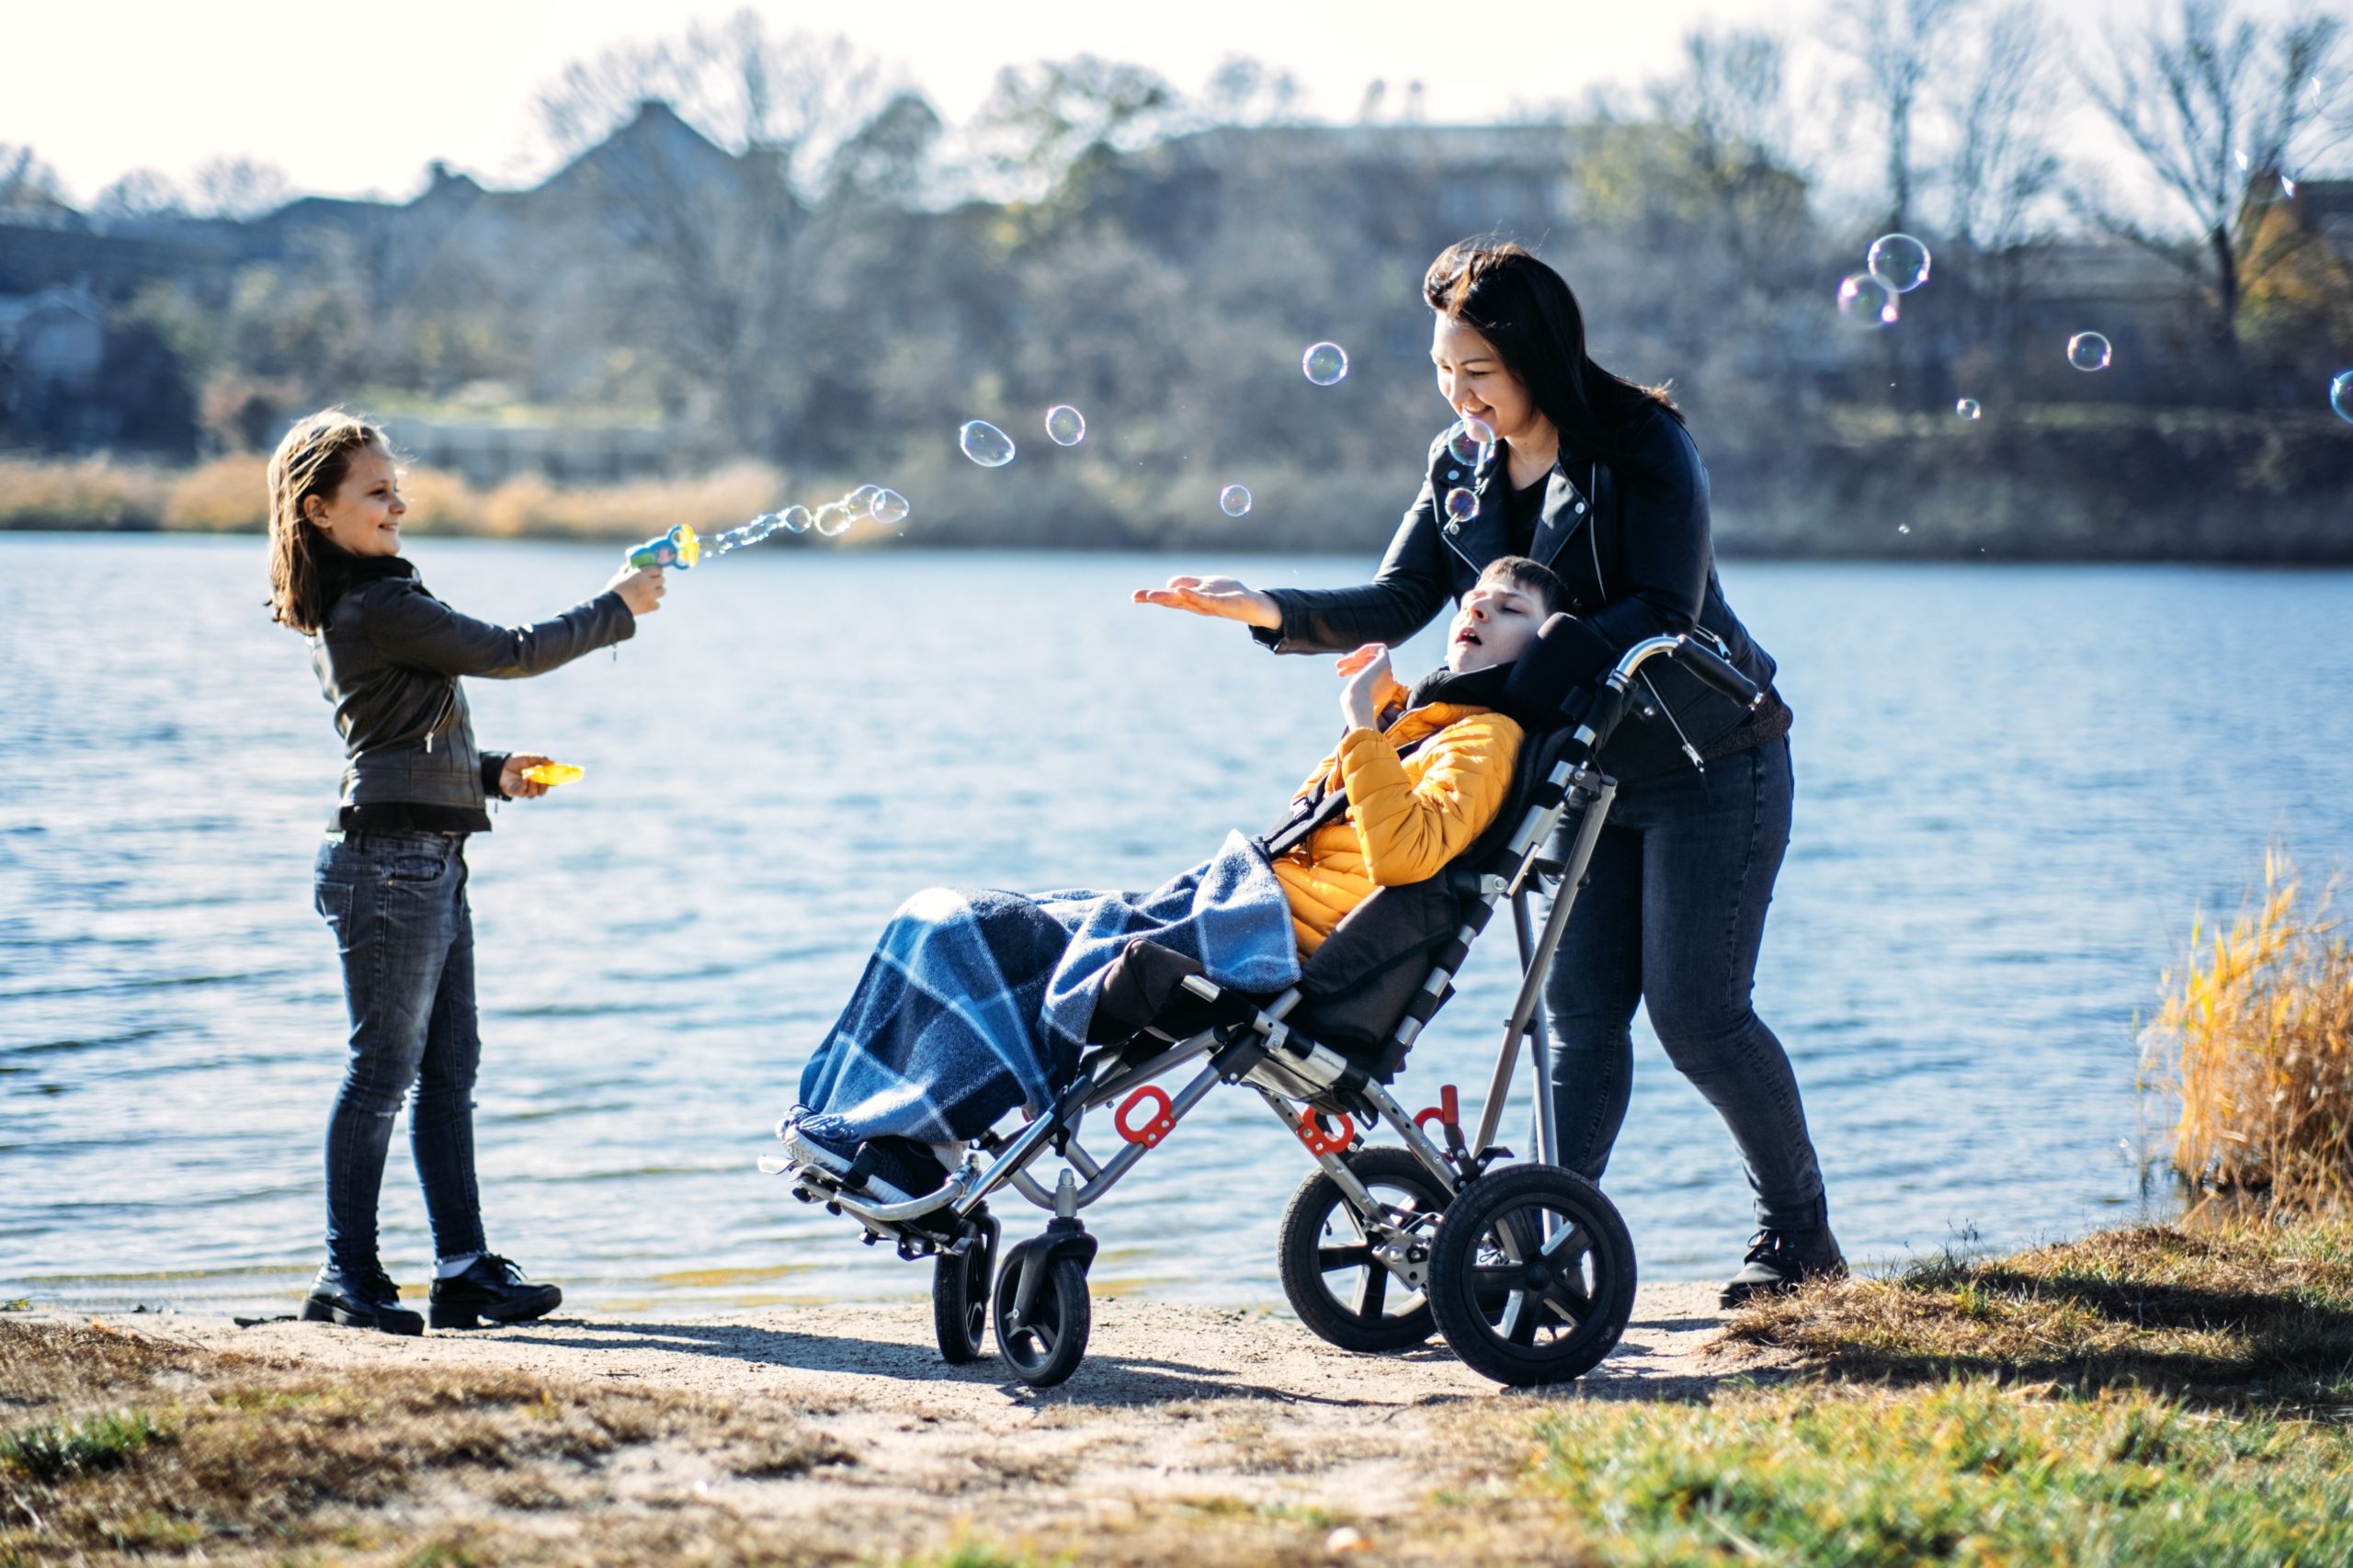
{"type": "Point", "coordinates": [2015, 787]}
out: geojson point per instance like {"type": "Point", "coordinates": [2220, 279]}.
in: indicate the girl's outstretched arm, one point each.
{"type": "Point", "coordinates": [410, 626]}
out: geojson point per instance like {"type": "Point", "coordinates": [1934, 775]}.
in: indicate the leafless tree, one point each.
{"type": "Point", "coordinates": [2218, 106]}
{"type": "Point", "coordinates": [1729, 108]}
{"type": "Point", "coordinates": [739, 85]}
{"type": "Point", "coordinates": [238, 189]}
{"type": "Point", "coordinates": [26, 183]}
{"type": "Point", "coordinates": [1243, 91]}
{"type": "Point", "coordinates": [1895, 45]}
{"type": "Point", "coordinates": [1040, 123]}
{"type": "Point", "coordinates": [141, 193]}
{"type": "Point", "coordinates": [715, 197]}
{"type": "Point", "coordinates": [2002, 164]}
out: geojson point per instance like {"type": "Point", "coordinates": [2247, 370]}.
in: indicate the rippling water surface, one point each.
{"type": "Point", "coordinates": [2015, 788]}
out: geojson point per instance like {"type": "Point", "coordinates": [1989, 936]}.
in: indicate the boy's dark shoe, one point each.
{"type": "Point", "coordinates": [489, 1288]}
{"type": "Point", "coordinates": [367, 1299]}
{"type": "Point", "coordinates": [1782, 1260]}
{"type": "Point", "coordinates": [889, 1170]}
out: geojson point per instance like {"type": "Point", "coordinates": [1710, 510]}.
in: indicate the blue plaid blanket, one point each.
{"type": "Point", "coordinates": [977, 1001]}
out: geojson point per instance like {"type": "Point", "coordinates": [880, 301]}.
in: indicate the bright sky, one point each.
{"type": "Point", "coordinates": [102, 87]}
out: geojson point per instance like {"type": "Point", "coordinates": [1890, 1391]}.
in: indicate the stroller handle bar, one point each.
{"type": "Point", "coordinates": [1610, 703]}
{"type": "Point", "coordinates": [1714, 670]}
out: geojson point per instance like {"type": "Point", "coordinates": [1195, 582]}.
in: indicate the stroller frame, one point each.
{"type": "Point", "coordinates": [1489, 1314]}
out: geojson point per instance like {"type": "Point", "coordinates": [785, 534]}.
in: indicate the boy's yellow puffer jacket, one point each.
{"type": "Point", "coordinates": [1406, 817]}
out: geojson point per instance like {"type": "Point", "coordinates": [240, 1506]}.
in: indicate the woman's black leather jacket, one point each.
{"type": "Point", "coordinates": [389, 658]}
{"type": "Point", "coordinates": [1630, 540]}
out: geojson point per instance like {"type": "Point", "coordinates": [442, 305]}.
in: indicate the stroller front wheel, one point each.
{"type": "Point", "coordinates": [1533, 1279]}
{"type": "Point", "coordinates": [1344, 1293]}
{"type": "Point", "coordinates": [1047, 1345]}
{"type": "Point", "coordinates": [959, 1291]}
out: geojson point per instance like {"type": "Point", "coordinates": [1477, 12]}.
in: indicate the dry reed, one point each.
{"type": "Point", "coordinates": [226, 495]}
{"type": "Point", "coordinates": [2255, 1043]}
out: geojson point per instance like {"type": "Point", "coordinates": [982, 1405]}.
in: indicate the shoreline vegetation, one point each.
{"type": "Point", "coordinates": [2074, 483]}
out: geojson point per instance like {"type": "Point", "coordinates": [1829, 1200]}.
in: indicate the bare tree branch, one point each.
{"type": "Point", "coordinates": [2002, 163]}
{"type": "Point", "coordinates": [1895, 45]}
{"type": "Point", "coordinates": [2218, 109]}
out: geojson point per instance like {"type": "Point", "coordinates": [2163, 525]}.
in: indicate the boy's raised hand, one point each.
{"type": "Point", "coordinates": [1370, 686]}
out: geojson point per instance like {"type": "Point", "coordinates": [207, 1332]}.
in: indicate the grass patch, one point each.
{"type": "Point", "coordinates": [51, 1450]}
{"type": "Point", "coordinates": [2259, 1312]}
{"type": "Point", "coordinates": [246, 1457]}
{"type": "Point", "coordinates": [1966, 1472]}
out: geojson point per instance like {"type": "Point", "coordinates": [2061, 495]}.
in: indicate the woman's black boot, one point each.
{"type": "Point", "coordinates": [359, 1299]}
{"type": "Point", "coordinates": [1782, 1260]}
{"type": "Point", "coordinates": [489, 1288]}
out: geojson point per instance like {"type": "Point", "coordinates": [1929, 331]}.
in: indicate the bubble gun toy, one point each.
{"type": "Point", "coordinates": [553, 773]}
{"type": "Point", "coordinates": [678, 548]}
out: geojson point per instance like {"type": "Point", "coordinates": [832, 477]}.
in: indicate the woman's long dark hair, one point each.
{"type": "Point", "coordinates": [1530, 314]}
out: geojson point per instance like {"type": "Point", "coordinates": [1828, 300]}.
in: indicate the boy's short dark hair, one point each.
{"type": "Point", "coordinates": [1531, 577]}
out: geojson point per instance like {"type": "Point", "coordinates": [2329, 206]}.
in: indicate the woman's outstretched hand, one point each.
{"type": "Point", "coordinates": [1372, 687]}
{"type": "Point", "coordinates": [1224, 598]}
{"type": "Point", "coordinates": [641, 588]}
{"type": "Point", "coordinates": [511, 782]}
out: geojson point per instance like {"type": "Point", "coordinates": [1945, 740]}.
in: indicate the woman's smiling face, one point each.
{"type": "Point", "coordinates": [1477, 384]}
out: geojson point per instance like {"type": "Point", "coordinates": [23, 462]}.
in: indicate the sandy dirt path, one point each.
{"type": "Point", "coordinates": [1172, 1402]}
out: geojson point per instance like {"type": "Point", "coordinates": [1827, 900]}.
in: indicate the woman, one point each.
{"type": "Point", "coordinates": [391, 876]}
{"type": "Point", "coordinates": [1597, 478]}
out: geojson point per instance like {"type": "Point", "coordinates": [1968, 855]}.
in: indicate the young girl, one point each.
{"type": "Point", "coordinates": [391, 876]}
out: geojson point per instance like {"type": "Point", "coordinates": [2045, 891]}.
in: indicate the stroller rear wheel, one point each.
{"type": "Point", "coordinates": [960, 1290]}
{"type": "Point", "coordinates": [1341, 1292]}
{"type": "Point", "coordinates": [1047, 1345]}
{"type": "Point", "coordinates": [1533, 1279]}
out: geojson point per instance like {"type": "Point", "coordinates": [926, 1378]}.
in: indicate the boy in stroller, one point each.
{"type": "Point", "coordinates": [976, 1002]}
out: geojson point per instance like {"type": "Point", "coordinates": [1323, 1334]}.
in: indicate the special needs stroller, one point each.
{"type": "Point", "coordinates": [1525, 1269]}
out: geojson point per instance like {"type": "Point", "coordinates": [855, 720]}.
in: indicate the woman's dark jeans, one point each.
{"type": "Point", "coordinates": [396, 902]}
{"type": "Point", "coordinates": [1672, 917]}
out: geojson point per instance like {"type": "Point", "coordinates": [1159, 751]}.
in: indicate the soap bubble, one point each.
{"type": "Point", "coordinates": [891, 509]}
{"type": "Point", "coordinates": [2088, 351]}
{"type": "Point", "coordinates": [1234, 500]}
{"type": "Point", "coordinates": [986, 444]}
{"type": "Point", "coordinates": [1325, 363]}
{"type": "Point", "coordinates": [1461, 505]}
{"type": "Point", "coordinates": [1967, 408]}
{"type": "Point", "coordinates": [2340, 396]}
{"type": "Point", "coordinates": [794, 519]}
{"type": "Point", "coordinates": [759, 527]}
{"type": "Point", "coordinates": [834, 519]}
{"type": "Point", "coordinates": [1899, 261]}
{"type": "Point", "coordinates": [1468, 440]}
{"type": "Point", "coordinates": [860, 501]}
{"type": "Point", "coordinates": [1065, 424]}
{"type": "Point", "coordinates": [1866, 301]}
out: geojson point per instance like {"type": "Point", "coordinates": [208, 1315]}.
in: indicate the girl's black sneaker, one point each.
{"type": "Point", "coordinates": [359, 1299]}
{"type": "Point", "coordinates": [490, 1288]}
